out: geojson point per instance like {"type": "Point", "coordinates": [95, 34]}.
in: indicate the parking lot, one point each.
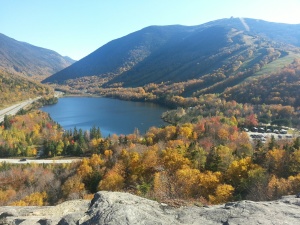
{"type": "Point", "coordinates": [265, 136]}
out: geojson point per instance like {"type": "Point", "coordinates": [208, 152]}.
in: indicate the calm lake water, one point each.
{"type": "Point", "coordinates": [111, 115]}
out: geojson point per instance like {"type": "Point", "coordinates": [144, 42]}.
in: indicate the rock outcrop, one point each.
{"type": "Point", "coordinates": [113, 208]}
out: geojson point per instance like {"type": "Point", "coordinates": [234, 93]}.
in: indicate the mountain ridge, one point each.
{"type": "Point", "coordinates": [29, 60]}
{"type": "Point", "coordinates": [124, 56]}
{"type": "Point", "coordinates": [129, 47]}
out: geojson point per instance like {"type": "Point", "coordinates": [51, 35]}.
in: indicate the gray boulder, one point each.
{"type": "Point", "coordinates": [113, 208]}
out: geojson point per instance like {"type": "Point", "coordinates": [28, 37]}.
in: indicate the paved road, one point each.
{"type": "Point", "coordinates": [12, 110]}
{"type": "Point", "coordinates": [39, 161]}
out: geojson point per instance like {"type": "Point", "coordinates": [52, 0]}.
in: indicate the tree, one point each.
{"type": "Point", "coordinates": [276, 162]}
{"type": "Point", "coordinates": [73, 187]}
{"type": "Point", "coordinates": [238, 174]}
{"type": "Point", "coordinates": [208, 182]}
{"type": "Point", "coordinates": [197, 155]}
{"type": "Point", "coordinates": [277, 187]}
{"type": "Point", "coordinates": [173, 160]}
{"type": "Point", "coordinates": [251, 120]}
{"type": "Point", "coordinates": [296, 144]}
{"type": "Point", "coordinates": [59, 148]}
{"type": "Point", "coordinates": [84, 169]}
{"type": "Point", "coordinates": [113, 180]}
{"type": "Point", "coordinates": [161, 186]}
{"type": "Point", "coordinates": [272, 143]}
{"type": "Point", "coordinates": [6, 122]}
{"type": "Point", "coordinates": [213, 160]}
{"type": "Point", "coordinates": [6, 196]}
{"type": "Point", "coordinates": [34, 199]}
{"type": "Point", "coordinates": [223, 193]}
{"type": "Point", "coordinates": [186, 182]}
{"type": "Point", "coordinates": [294, 165]}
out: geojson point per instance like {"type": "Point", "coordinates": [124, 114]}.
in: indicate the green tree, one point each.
{"type": "Point", "coordinates": [6, 122]}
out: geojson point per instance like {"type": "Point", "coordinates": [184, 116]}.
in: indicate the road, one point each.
{"type": "Point", "coordinates": [39, 161]}
{"type": "Point", "coordinates": [12, 110]}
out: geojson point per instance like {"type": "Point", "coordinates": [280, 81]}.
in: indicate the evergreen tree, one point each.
{"type": "Point", "coordinates": [6, 122]}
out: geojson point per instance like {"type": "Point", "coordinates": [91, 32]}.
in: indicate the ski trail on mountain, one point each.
{"type": "Point", "coordinates": [244, 24]}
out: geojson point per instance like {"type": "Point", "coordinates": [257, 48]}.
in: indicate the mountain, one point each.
{"type": "Point", "coordinates": [219, 55]}
{"type": "Point", "coordinates": [122, 54]}
{"type": "Point", "coordinates": [25, 59]}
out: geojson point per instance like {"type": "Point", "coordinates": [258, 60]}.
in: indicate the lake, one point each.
{"type": "Point", "coordinates": [113, 116]}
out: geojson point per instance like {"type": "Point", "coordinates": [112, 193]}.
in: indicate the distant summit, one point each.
{"type": "Point", "coordinates": [25, 59]}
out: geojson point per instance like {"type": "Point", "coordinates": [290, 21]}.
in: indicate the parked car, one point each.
{"type": "Point", "coordinates": [283, 131]}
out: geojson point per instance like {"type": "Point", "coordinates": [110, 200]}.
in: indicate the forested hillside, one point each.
{"type": "Point", "coordinates": [282, 87]}
{"type": "Point", "coordinates": [24, 59]}
{"type": "Point", "coordinates": [206, 162]}
{"type": "Point", "coordinates": [15, 88]}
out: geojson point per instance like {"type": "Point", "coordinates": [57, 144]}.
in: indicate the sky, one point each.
{"type": "Point", "coordinates": [75, 28]}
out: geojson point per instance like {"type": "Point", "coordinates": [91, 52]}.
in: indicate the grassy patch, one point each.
{"type": "Point", "coordinates": [277, 65]}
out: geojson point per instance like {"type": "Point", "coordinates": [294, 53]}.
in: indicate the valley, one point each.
{"type": "Point", "coordinates": [209, 83]}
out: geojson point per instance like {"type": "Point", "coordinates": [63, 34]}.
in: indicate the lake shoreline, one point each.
{"type": "Point", "coordinates": [112, 116]}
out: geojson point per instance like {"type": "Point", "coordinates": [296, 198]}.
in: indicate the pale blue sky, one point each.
{"type": "Point", "coordinates": [78, 27]}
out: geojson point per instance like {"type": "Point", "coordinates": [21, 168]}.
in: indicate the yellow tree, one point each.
{"type": "Point", "coordinates": [238, 174]}
{"type": "Point", "coordinates": [276, 162]}
{"type": "Point", "coordinates": [149, 163]}
{"type": "Point", "coordinates": [173, 160]}
{"type": "Point", "coordinates": [6, 196]}
{"type": "Point", "coordinates": [84, 170]}
{"type": "Point", "coordinates": [113, 179]}
{"type": "Point", "coordinates": [73, 187]}
{"type": "Point", "coordinates": [186, 182]}
{"type": "Point", "coordinates": [294, 182]}
{"type": "Point", "coordinates": [208, 182]}
{"type": "Point", "coordinates": [96, 162]}
{"type": "Point", "coordinates": [161, 186]}
{"type": "Point", "coordinates": [223, 193]}
{"type": "Point", "coordinates": [185, 131]}
{"type": "Point", "coordinates": [34, 199]}
{"type": "Point", "coordinates": [226, 157]}
{"type": "Point", "coordinates": [91, 171]}
{"type": "Point", "coordinates": [277, 187]}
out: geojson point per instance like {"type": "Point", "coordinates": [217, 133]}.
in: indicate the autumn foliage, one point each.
{"type": "Point", "coordinates": [210, 161]}
{"type": "Point", "coordinates": [204, 157]}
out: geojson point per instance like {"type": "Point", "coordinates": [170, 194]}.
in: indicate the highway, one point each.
{"type": "Point", "coordinates": [12, 110]}
{"type": "Point", "coordinates": [39, 161]}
